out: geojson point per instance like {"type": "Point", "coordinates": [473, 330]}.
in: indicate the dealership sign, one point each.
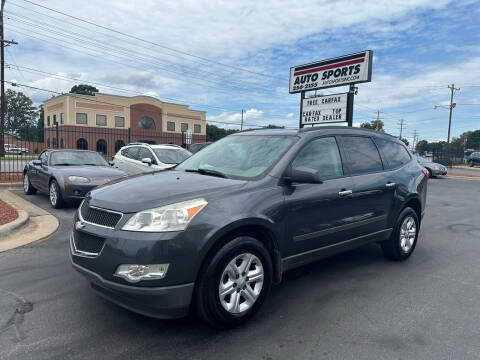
{"type": "Point", "coordinates": [324, 109]}
{"type": "Point", "coordinates": [339, 71]}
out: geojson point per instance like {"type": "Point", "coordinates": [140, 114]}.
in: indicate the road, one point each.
{"type": "Point", "coordinates": [356, 305]}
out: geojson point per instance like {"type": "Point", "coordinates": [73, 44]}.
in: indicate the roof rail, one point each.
{"type": "Point", "coordinates": [138, 143]}
{"type": "Point", "coordinates": [174, 145]}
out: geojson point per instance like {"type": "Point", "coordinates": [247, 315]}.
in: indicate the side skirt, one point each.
{"type": "Point", "coordinates": [329, 250]}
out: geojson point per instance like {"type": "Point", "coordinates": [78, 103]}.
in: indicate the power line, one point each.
{"type": "Point", "coordinates": [148, 41]}
{"type": "Point", "coordinates": [113, 104]}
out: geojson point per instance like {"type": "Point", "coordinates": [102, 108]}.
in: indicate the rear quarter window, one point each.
{"type": "Point", "coordinates": [395, 154]}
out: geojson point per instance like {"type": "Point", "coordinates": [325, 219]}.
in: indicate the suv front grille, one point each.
{"type": "Point", "coordinates": [88, 243]}
{"type": "Point", "coordinates": [98, 216]}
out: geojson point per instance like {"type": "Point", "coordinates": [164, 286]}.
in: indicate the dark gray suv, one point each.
{"type": "Point", "coordinates": [220, 228]}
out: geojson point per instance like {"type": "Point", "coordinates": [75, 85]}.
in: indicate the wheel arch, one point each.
{"type": "Point", "coordinates": [259, 229]}
{"type": "Point", "coordinates": [414, 203]}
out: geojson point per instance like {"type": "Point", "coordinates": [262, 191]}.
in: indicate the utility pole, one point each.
{"type": "Point", "coordinates": [241, 124]}
{"type": "Point", "coordinates": [401, 123]}
{"type": "Point", "coordinates": [415, 139]}
{"type": "Point", "coordinates": [2, 80]}
{"type": "Point", "coordinates": [452, 105]}
{"type": "Point", "coordinates": [378, 119]}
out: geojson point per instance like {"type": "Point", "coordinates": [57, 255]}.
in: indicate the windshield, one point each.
{"type": "Point", "coordinates": [76, 158]}
{"type": "Point", "coordinates": [421, 159]}
{"type": "Point", "coordinates": [172, 156]}
{"type": "Point", "coordinates": [245, 156]}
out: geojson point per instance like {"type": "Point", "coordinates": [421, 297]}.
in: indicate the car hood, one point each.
{"type": "Point", "coordinates": [429, 163]}
{"type": "Point", "coordinates": [146, 191]}
{"type": "Point", "coordinates": [89, 171]}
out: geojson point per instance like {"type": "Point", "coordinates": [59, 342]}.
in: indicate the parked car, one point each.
{"type": "Point", "coordinates": [194, 148]}
{"type": "Point", "coordinates": [136, 158]}
{"type": "Point", "coordinates": [474, 159]}
{"type": "Point", "coordinates": [221, 227]}
{"type": "Point", "coordinates": [14, 150]}
{"type": "Point", "coordinates": [67, 175]}
{"type": "Point", "coordinates": [433, 168]}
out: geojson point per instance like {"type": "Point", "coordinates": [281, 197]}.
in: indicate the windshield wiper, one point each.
{"type": "Point", "coordinates": [208, 172]}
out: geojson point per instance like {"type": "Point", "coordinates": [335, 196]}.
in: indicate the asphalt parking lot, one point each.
{"type": "Point", "coordinates": [356, 305]}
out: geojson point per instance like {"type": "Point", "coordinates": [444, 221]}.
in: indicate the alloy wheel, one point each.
{"type": "Point", "coordinates": [26, 184]}
{"type": "Point", "coordinates": [241, 283]}
{"type": "Point", "coordinates": [53, 194]}
{"type": "Point", "coordinates": [408, 232]}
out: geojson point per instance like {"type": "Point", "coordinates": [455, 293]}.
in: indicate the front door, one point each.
{"type": "Point", "coordinates": [43, 176]}
{"type": "Point", "coordinates": [319, 215]}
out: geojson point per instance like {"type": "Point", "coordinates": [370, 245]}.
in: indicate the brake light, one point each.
{"type": "Point", "coordinates": [425, 172]}
{"type": "Point", "coordinates": [113, 157]}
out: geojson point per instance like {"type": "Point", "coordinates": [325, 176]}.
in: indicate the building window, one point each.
{"type": "Point", "coordinates": [82, 144]}
{"type": "Point", "coordinates": [48, 142]}
{"type": "Point", "coordinates": [146, 122]}
{"type": "Point", "coordinates": [55, 119]}
{"type": "Point", "coordinates": [61, 143]}
{"type": "Point", "coordinates": [197, 129]}
{"type": "Point", "coordinates": [81, 118]}
{"type": "Point", "coordinates": [102, 146]}
{"type": "Point", "coordinates": [101, 120]}
{"type": "Point", "coordinates": [170, 126]}
{"type": "Point", "coordinates": [119, 121]}
{"type": "Point", "coordinates": [118, 145]}
{"type": "Point", "coordinates": [54, 143]}
{"type": "Point", "coordinates": [48, 120]}
{"type": "Point", "coordinates": [61, 119]}
{"type": "Point", "coordinates": [184, 127]}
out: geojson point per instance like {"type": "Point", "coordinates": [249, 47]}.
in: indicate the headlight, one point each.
{"type": "Point", "coordinates": [173, 217]}
{"type": "Point", "coordinates": [78, 179]}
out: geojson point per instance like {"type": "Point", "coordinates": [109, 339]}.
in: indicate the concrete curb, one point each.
{"type": "Point", "coordinates": [20, 221]}
{"type": "Point", "coordinates": [38, 225]}
{"type": "Point", "coordinates": [11, 186]}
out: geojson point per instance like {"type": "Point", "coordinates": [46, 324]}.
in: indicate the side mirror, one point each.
{"type": "Point", "coordinates": [303, 174]}
{"type": "Point", "coordinates": [147, 161]}
{"type": "Point", "coordinates": [37, 162]}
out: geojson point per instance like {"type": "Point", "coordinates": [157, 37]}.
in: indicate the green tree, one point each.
{"type": "Point", "coordinates": [214, 132]}
{"type": "Point", "coordinates": [83, 89]}
{"type": "Point", "coordinates": [405, 141]}
{"type": "Point", "coordinates": [20, 112]}
{"type": "Point", "coordinates": [271, 126]}
{"type": "Point", "coordinates": [421, 147]}
{"type": "Point", "coordinates": [374, 125]}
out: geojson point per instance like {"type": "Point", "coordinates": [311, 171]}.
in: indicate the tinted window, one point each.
{"type": "Point", "coordinates": [321, 155]}
{"type": "Point", "coordinates": [146, 122]}
{"type": "Point", "coordinates": [130, 152]}
{"type": "Point", "coordinates": [44, 158]}
{"type": "Point", "coordinates": [395, 154]}
{"type": "Point", "coordinates": [170, 126]}
{"type": "Point", "coordinates": [362, 154]}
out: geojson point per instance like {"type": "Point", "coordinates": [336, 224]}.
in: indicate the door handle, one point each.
{"type": "Point", "coordinates": [390, 184]}
{"type": "Point", "coordinates": [344, 192]}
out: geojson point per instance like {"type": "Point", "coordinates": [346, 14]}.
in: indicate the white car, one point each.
{"type": "Point", "coordinates": [136, 158]}
{"type": "Point", "coordinates": [14, 150]}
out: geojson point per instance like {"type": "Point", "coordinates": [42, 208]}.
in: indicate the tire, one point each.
{"type": "Point", "coordinates": [402, 242]}
{"type": "Point", "coordinates": [470, 163]}
{"type": "Point", "coordinates": [55, 195]}
{"type": "Point", "coordinates": [222, 311]}
{"type": "Point", "coordinates": [27, 185]}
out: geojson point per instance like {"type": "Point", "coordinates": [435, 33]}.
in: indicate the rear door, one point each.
{"type": "Point", "coordinates": [319, 215]}
{"type": "Point", "coordinates": [373, 190]}
{"type": "Point", "coordinates": [126, 162]}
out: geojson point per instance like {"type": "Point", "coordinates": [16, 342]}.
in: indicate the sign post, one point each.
{"type": "Point", "coordinates": [340, 71]}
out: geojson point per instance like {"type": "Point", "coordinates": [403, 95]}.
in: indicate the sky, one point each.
{"type": "Point", "coordinates": [224, 56]}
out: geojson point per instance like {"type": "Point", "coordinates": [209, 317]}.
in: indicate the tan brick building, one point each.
{"type": "Point", "coordinates": [106, 122]}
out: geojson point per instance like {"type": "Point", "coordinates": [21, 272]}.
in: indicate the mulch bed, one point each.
{"type": "Point", "coordinates": [463, 175]}
{"type": "Point", "coordinates": [11, 177]}
{"type": "Point", "coordinates": [7, 213]}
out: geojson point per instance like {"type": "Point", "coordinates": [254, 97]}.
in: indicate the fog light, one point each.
{"type": "Point", "coordinates": [134, 273]}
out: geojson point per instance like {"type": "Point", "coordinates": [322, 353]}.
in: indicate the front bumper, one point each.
{"type": "Point", "coordinates": [159, 302]}
{"type": "Point", "coordinates": [439, 172]}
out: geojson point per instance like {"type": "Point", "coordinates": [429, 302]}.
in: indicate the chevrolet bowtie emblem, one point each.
{"type": "Point", "coordinates": [79, 225]}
